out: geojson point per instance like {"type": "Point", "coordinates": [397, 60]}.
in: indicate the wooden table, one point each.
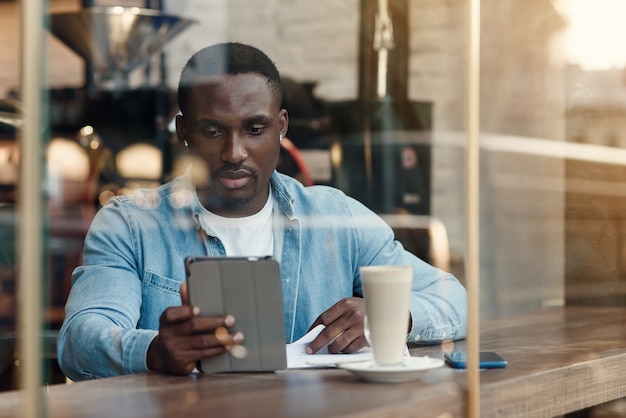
{"type": "Point", "coordinates": [560, 360]}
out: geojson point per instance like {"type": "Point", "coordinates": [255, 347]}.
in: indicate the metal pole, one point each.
{"type": "Point", "coordinates": [29, 206]}
{"type": "Point", "coordinates": [473, 210]}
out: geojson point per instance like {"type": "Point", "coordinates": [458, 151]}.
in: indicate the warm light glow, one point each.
{"type": "Point", "coordinates": [596, 33]}
{"type": "Point", "coordinates": [336, 155]}
{"type": "Point", "coordinates": [67, 160]}
{"type": "Point", "coordinates": [139, 161]}
{"type": "Point", "coordinates": [86, 130]}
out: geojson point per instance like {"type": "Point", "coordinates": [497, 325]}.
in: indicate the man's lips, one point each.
{"type": "Point", "coordinates": [234, 179]}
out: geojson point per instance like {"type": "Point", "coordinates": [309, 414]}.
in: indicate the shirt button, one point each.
{"type": "Point", "coordinates": [417, 337]}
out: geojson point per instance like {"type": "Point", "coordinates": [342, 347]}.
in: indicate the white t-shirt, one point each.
{"type": "Point", "coordinates": [248, 236]}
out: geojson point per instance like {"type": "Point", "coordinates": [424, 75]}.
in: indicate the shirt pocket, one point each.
{"type": "Point", "coordinates": [158, 293]}
{"type": "Point", "coordinates": [156, 282]}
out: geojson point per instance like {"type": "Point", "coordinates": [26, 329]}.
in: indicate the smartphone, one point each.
{"type": "Point", "coordinates": [486, 360]}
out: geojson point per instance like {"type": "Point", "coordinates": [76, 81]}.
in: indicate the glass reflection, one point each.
{"type": "Point", "coordinates": [552, 120]}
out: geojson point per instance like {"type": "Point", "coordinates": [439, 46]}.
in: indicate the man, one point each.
{"type": "Point", "coordinates": [124, 312]}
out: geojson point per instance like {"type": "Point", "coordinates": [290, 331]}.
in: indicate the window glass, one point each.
{"type": "Point", "coordinates": [377, 109]}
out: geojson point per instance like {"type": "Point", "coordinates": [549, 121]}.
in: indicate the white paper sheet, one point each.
{"type": "Point", "coordinates": [297, 357]}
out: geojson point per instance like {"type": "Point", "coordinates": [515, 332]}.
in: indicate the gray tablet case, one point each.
{"type": "Point", "coordinates": [250, 290]}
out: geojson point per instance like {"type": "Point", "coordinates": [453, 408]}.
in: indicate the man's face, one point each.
{"type": "Point", "coordinates": [233, 123]}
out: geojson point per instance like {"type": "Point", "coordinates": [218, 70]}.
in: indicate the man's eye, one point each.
{"type": "Point", "coordinates": [256, 130]}
{"type": "Point", "coordinates": [212, 133]}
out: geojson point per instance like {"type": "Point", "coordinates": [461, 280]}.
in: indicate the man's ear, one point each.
{"type": "Point", "coordinates": [181, 131]}
{"type": "Point", "coordinates": [283, 121]}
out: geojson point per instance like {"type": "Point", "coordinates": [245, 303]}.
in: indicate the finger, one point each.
{"type": "Point", "coordinates": [328, 335]}
{"type": "Point", "coordinates": [176, 314]}
{"type": "Point", "coordinates": [340, 342]}
{"type": "Point", "coordinates": [355, 345]}
{"type": "Point", "coordinates": [348, 341]}
{"type": "Point", "coordinates": [223, 339]}
{"type": "Point", "coordinates": [187, 360]}
{"type": "Point", "coordinates": [345, 306]}
{"type": "Point", "coordinates": [210, 324]}
{"type": "Point", "coordinates": [184, 352]}
{"type": "Point", "coordinates": [314, 324]}
{"type": "Point", "coordinates": [330, 315]}
{"type": "Point", "coordinates": [211, 352]}
{"type": "Point", "coordinates": [327, 317]}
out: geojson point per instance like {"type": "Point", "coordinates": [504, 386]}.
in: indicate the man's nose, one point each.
{"type": "Point", "coordinates": [234, 150]}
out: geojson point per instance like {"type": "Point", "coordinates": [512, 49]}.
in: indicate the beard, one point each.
{"type": "Point", "coordinates": [218, 200]}
{"type": "Point", "coordinates": [223, 205]}
{"type": "Point", "coordinates": [235, 204]}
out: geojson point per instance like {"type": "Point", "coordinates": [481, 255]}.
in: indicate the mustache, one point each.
{"type": "Point", "coordinates": [227, 170]}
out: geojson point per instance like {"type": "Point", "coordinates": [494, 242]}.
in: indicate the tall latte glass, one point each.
{"type": "Point", "coordinates": [387, 290]}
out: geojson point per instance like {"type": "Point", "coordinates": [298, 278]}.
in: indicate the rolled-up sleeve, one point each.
{"type": "Point", "coordinates": [438, 299]}
{"type": "Point", "coordinates": [99, 336]}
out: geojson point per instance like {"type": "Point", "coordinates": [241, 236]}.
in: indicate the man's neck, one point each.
{"type": "Point", "coordinates": [236, 208]}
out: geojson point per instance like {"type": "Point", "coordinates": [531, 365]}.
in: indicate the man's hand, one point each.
{"type": "Point", "coordinates": [185, 337]}
{"type": "Point", "coordinates": [344, 327]}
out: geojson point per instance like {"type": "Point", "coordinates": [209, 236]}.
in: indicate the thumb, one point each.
{"type": "Point", "coordinates": [183, 293]}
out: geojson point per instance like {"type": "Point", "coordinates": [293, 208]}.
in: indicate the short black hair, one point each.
{"type": "Point", "coordinates": [227, 58]}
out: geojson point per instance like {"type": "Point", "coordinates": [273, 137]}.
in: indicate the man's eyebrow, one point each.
{"type": "Point", "coordinates": [258, 119]}
{"type": "Point", "coordinates": [205, 123]}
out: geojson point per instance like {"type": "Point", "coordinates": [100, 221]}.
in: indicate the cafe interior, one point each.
{"type": "Point", "coordinates": [490, 135]}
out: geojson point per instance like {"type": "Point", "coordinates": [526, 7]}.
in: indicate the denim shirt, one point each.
{"type": "Point", "coordinates": [133, 265]}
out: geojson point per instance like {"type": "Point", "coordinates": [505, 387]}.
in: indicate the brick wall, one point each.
{"type": "Point", "coordinates": [308, 41]}
{"type": "Point", "coordinates": [318, 41]}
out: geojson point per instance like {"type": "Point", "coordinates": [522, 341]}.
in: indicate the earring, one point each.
{"type": "Point", "coordinates": [186, 143]}
{"type": "Point", "coordinates": [280, 138]}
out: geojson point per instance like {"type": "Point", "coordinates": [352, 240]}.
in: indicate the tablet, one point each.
{"type": "Point", "coordinates": [249, 288]}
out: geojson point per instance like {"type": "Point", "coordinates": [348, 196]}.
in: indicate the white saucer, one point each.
{"type": "Point", "coordinates": [412, 368]}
